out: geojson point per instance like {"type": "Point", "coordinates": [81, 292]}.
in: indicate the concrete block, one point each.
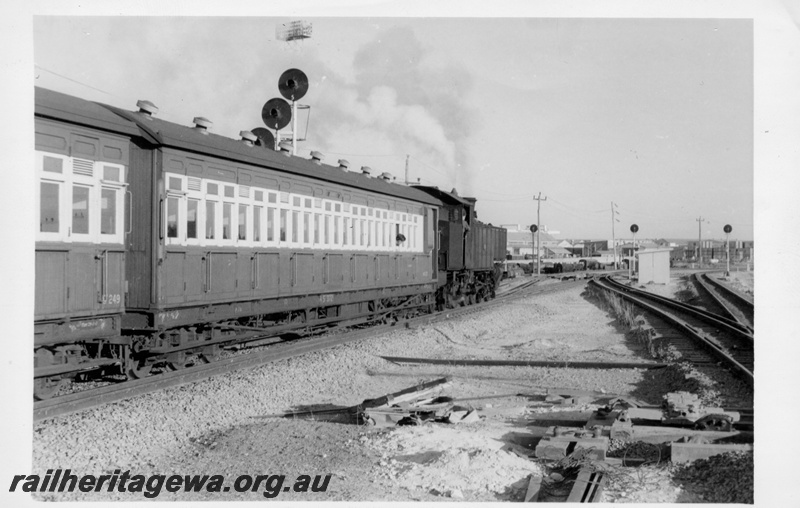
{"type": "Point", "coordinates": [550, 449]}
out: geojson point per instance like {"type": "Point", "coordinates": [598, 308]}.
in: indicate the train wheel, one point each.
{"type": "Point", "coordinates": [182, 361]}
{"type": "Point", "coordinates": [173, 366]}
{"type": "Point", "coordinates": [45, 387]}
{"type": "Point", "coordinates": [211, 354]}
{"type": "Point", "coordinates": [137, 369]}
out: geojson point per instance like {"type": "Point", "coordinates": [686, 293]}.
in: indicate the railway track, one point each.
{"type": "Point", "coordinates": [706, 338]}
{"type": "Point", "coordinates": [734, 304]}
{"type": "Point", "coordinates": [86, 399]}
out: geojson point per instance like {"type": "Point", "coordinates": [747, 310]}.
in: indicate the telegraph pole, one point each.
{"type": "Point", "coordinates": [613, 235]}
{"type": "Point", "coordinates": [700, 221]}
{"type": "Point", "coordinates": [538, 240]}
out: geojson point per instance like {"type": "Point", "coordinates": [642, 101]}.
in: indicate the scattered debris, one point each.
{"type": "Point", "coordinates": [588, 487]}
{"type": "Point", "coordinates": [411, 406]}
{"type": "Point", "coordinates": [415, 406]}
{"type": "Point", "coordinates": [560, 442]}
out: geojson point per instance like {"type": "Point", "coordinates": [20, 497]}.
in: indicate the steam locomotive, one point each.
{"type": "Point", "coordinates": [158, 244]}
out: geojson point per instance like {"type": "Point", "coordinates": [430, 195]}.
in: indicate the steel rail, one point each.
{"type": "Point", "coordinates": [87, 399]}
{"type": "Point", "coordinates": [731, 299]}
{"type": "Point", "coordinates": [724, 323]}
{"type": "Point", "coordinates": [635, 297]}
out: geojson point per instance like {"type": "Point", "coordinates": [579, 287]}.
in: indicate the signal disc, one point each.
{"type": "Point", "coordinates": [293, 84]}
{"type": "Point", "coordinates": [276, 113]}
{"type": "Point", "coordinates": [265, 137]}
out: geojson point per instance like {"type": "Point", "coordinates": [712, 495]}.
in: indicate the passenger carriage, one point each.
{"type": "Point", "coordinates": [81, 164]}
{"type": "Point", "coordinates": [231, 240]}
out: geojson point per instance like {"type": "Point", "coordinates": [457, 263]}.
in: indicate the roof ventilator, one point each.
{"type": "Point", "coordinates": [366, 170]}
{"type": "Point", "coordinates": [147, 108]}
{"type": "Point", "coordinates": [385, 176]}
{"type": "Point", "coordinates": [286, 148]}
{"type": "Point", "coordinates": [248, 138]}
{"type": "Point", "coordinates": [343, 164]}
{"type": "Point", "coordinates": [317, 157]}
{"type": "Point", "coordinates": [202, 124]}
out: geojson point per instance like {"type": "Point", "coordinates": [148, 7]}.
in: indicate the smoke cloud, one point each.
{"type": "Point", "coordinates": [403, 102]}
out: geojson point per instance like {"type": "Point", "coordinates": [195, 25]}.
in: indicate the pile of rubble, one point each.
{"type": "Point", "coordinates": [568, 464]}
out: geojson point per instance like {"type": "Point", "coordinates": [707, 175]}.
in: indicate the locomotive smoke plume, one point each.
{"type": "Point", "coordinates": [402, 102]}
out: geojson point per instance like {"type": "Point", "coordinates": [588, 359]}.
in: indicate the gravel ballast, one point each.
{"type": "Point", "coordinates": [218, 426]}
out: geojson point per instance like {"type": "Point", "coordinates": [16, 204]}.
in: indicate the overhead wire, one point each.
{"type": "Point", "coordinates": [74, 80]}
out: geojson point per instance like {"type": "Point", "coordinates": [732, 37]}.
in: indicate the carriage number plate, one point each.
{"type": "Point", "coordinates": [110, 299]}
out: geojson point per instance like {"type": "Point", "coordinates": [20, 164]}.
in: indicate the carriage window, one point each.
{"type": "Point", "coordinates": [296, 201]}
{"type": "Point", "coordinates": [336, 222]}
{"type": "Point", "coordinates": [172, 217]}
{"type": "Point", "coordinates": [242, 222]}
{"type": "Point", "coordinates": [80, 210]}
{"type": "Point", "coordinates": [317, 221]}
{"type": "Point", "coordinates": [327, 233]}
{"type": "Point", "coordinates": [259, 195]}
{"type": "Point", "coordinates": [257, 223]}
{"type": "Point", "coordinates": [108, 212]}
{"type": "Point", "coordinates": [308, 203]}
{"type": "Point", "coordinates": [229, 191]}
{"type": "Point", "coordinates": [191, 218]}
{"type": "Point", "coordinates": [175, 183]}
{"type": "Point", "coordinates": [212, 189]}
{"type": "Point", "coordinates": [211, 214]}
{"type": "Point", "coordinates": [53, 165]}
{"type": "Point", "coordinates": [48, 208]}
{"type": "Point", "coordinates": [227, 211]}
{"type": "Point", "coordinates": [345, 232]}
{"type": "Point", "coordinates": [295, 223]}
{"type": "Point", "coordinates": [270, 224]}
{"type": "Point", "coordinates": [283, 226]}
{"type": "Point", "coordinates": [306, 228]}
{"type": "Point", "coordinates": [272, 197]}
{"type": "Point", "coordinates": [111, 173]}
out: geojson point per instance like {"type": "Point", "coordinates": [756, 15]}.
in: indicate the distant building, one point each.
{"type": "Point", "coordinates": [519, 241]}
{"type": "Point", "coordinates": [589, 248]}
{"type": "Point", "coordinates": [741, 251]}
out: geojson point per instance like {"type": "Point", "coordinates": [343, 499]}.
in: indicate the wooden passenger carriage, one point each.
{"type": "Point", "coordinates": [159, 242]}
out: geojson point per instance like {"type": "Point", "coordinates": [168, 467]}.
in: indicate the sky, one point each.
{"type": "Point", "coordinates": [654, 115]}
{"type": "Point", "coordinates": [674, 110]}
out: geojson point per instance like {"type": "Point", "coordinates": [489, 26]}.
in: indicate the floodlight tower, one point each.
{"type": "Point", "coordinates": [293, 31]}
